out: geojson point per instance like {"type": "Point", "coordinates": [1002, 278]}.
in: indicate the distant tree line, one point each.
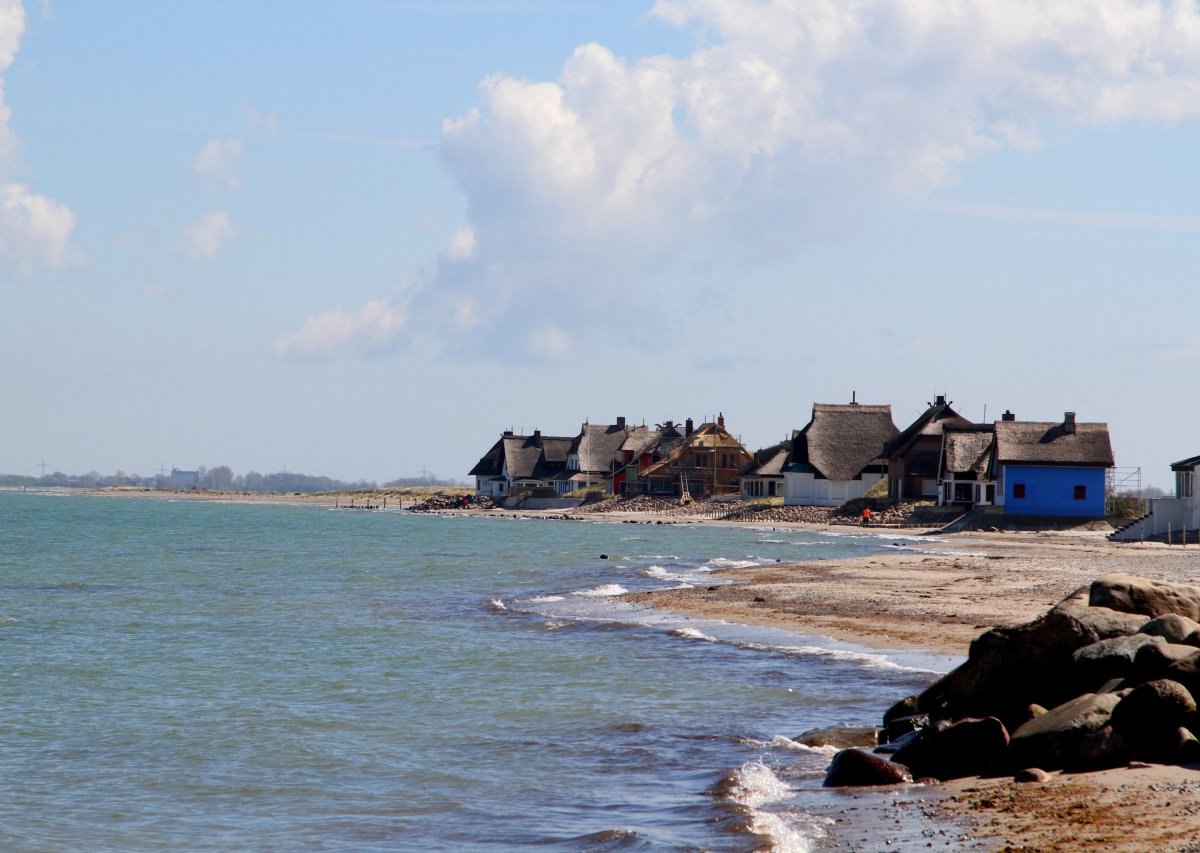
{"type": "Point", "coordinates": [219, 478]}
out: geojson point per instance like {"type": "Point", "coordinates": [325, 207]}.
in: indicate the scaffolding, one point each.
{"type": "Point", "coordinates": [1123, 482]}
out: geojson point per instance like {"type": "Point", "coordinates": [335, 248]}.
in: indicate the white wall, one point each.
{"type": "Point", "coordinates": [807, 490]}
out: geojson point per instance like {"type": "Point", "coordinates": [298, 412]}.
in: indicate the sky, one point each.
{"type": "Point", "coordinates": [360, 239]}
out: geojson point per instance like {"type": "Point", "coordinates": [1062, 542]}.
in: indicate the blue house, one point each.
{"type": "Point", "coordinates": [1051, 469]}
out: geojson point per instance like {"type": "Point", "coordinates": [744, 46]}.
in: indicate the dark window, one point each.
{"type": "Point", "coordinates": [1081, 493]}
{"type": "Point", "coordinates": [1018, 491]}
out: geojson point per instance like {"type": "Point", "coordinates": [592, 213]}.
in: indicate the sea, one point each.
{"type": "Point", "coordinates": [192, 675]}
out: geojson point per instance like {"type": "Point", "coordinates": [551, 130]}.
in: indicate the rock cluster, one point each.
{"type": "Point", "coordinates": [439, 503]}
{"type": "Point", "coordinates": [1108, 676]}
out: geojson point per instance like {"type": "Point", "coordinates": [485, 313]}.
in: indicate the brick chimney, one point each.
{"type": "Point", "coordinates": [621, 423]}
{"type": "Point", "coordinates": [1008, 416]}
{"type": "Point", "coordinates": [688, 427]}
{"type": "Point", "coordinates": [537, 435]}
{"type": "Point", "coordinates": [721, 421]}
{"type": "Point", "coordinates": [940, 400]}
{"type": "Point", "coordinates": [1069, 423]}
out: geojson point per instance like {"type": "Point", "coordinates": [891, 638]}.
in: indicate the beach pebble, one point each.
{"type": "Point", "coordinates": [1031, 774]}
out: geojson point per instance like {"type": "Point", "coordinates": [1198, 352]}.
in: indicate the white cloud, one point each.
{"type": "Point", "coordinates": [786, 122]}
{"type": "Point", "coordinates": [374, 330]}
{"type": "Point", "coordinates": [217, 163]}
{"type": "Point", "coordinates": [35, 231]}
{"type": "Point", "coordinates": [204, 239]}
{"type": "Point", "coordinates": [462, 244]}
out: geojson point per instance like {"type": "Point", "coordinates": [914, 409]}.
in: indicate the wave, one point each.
{"type": "Point", "coordinates": [606, 590]}
{"type": "Point", "coordinates": [544, 599]}
{"type": "Point", "coordinates": [497, 604]}
{"type": "Point", "coordinates": [691, 634]}
{"type": "Point", "coordinates": [871, 660]}
{"type": "Point", "coordinates": [751, 789]}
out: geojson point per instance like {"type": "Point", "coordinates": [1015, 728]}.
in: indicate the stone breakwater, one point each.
{"type": "Point", "coordinates": [750, 513]}
{"type": "Point", "coordinates": [1107, 677]}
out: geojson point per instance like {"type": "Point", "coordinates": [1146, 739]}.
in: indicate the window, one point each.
{"type": "Point", "coordinates": [703, 460]}
{"type": "Point", "coordinates": [1081, 493]}
{"type": "Point", "coordinates": [1183, 485]}
{"type": "Point", "coordinates": [1018, 491]}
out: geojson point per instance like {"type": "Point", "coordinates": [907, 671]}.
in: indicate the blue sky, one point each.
{"type": "Point", "coordinates": [360, 239]}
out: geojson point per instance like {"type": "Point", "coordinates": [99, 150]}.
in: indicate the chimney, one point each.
{"type": "Point", "coordinates": [621, 423]}
{"type": "Point", "coordinates": [537, 435]}
{"type": "Point", "coordinates": [1069, 423]}
{"type": "Point", "coordinates": [688, 426]}
{"type": "Point", "coordinates": [721, 421]}
{"type": "Point", "coordinates": [853, 398]}
{"type": "Point", "coordinates": [1008, 416]}
{"type": "Point", "coordinates": [940, 400]}
{"type": "Point", "coordinates": [508, 433]}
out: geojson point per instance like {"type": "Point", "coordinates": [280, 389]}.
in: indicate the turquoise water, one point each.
{"type": "Point", "coordinates": [211, 676]}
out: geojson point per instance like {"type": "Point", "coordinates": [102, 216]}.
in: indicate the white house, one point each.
{"type": "Point", "coordinates": [838, 456]}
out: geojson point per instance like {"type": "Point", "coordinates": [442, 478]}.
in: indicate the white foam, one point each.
{"type": "Point", "coordinates": [497, 604]}
{"type": "Point", "coordinates": [868, 659]}
{"type": "Point", "coordinates": [757, 786]}
{"type": "Point", "coordinates": [725, 563]}
{"type": "Point", "coordinates": [545, 599]}
{"type": "Point", "coordinates": [691, 634]}
{"type": "Point", "coordinates": [603, 591]}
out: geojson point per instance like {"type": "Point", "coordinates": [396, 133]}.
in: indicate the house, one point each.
{"type": "Point", "coordinates": [517, 463]}
{"type": "Point", "coordinates": [1028, 467]}
{"type": "Point", "coordinates": [838, 455]}
{"type": "Point", "coordinates": [1171, 517]}
{"type": "Point", "coordinates": [965, 468]}
{"type": "Point", "coordinates": [913, 456]}
{"type": "Point", "coordinates": [639, 451]}
{"type": "Point", "coordinates": [702, 461]}
{"type": "Point", "coordinates": [595, 454]}
{"type": "Point", "coordinates": [1052, 468]}
{"type": "Point", "coordinates": [762, 476]}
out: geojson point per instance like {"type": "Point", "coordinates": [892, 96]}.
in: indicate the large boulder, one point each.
{"type": "Point", "coordinates": [1131, 594]}
{"type": "Point", "coordinates": [856, 767]}
{"type": "Point", "coordinates": [1055, 740]}
{"type": "Point", "coordinates": [967, 748]}
{"type": "Point", "coordinates": [1186, 672]}
{"type": "Point", "coordinates": [1009, 669]}
{"type": "Point", "coordinates": [1150, 716]}
{"type": "Point", "coordinates": [1153, 660]}
{"type": "Point", "coordinates": [1104, 660]}
{"type": "Point", "coordinates": [1174, 629]}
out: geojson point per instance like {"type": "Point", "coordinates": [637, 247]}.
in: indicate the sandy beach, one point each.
{"type": "Point", "coordinates": [940, 602]}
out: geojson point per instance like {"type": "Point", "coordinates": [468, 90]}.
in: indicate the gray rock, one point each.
{"type": "Point", "coordinates": [966, 748]}
{"type": "Point", "coordinates": [1149, 717]}
{"type": "Point", "coordinates": [1031, 774]}
{"type": "Point", "coordinates": [906, 707]}
{"type": "Point", "coordinates": [854, 767]}
{"type": "Point", "coordinates": [1186, 672]}
{"type": "Point", "coordinates": [901, 726]}
{"type": "Point", "coordinates": [841, 737]}
{"type": "Point", "coordinates": [1174, 629]}
{"type": "Point", "coordinates": [1104, 660]}
{"type": "Point", "coordinates": [1153, 660]}
{"type": "Point", "coordinates": [1054, 739]}
{"type": "Point", "coordinates": [1187, 747]}
{"type": "Point", "coordinates": [1010, 668]}
{"type": "Point", "coordinates": [1131, 594]}
{"type": "Point", "coordinates": [1101, 750]}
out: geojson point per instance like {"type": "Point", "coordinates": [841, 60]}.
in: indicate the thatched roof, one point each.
{"type": "Point", "coordinates": [841, 440]}
{"type": "Point", "coordinates": [598, 445]}
{"type": "Point", "coordinates": [768, 462]}
{"type": "Point", "coordinates": [534, 456]}
{"type": "Point", "coordinates": [931, 422]}
{"type": "Point", "coordinates": [1041, 443]}
{"type": "Point", "coordinates": [968, 451]}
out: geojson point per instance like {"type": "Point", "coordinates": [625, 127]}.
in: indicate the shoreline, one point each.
{"type": "Point", "coordinates": [937, 599]}
{"type": "Point", "coordinates": [939, 602]}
